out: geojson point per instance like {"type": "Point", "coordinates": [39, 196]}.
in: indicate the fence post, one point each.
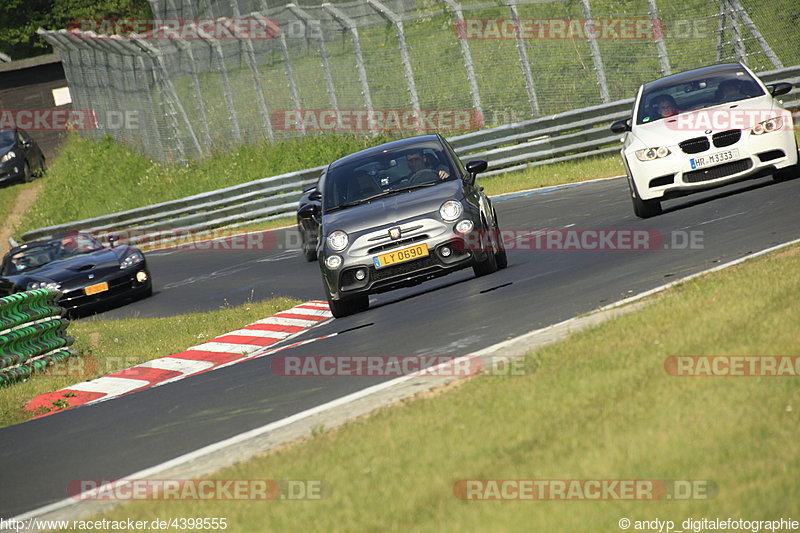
{"type": "Point", "coordinates": [597, 58]}
{"type": "Point", "coordinates": [661, 47]}
{"type": "Point", "coordinates": [757, 34]}
{"type": "Point", "coordinates": [524, 63]}
{"type": "Point", "coordinates": [455, 7]}
{"type": "Point", "coordinates": [198, 91]}
{"type": "Point", "coordinates": [736, 33]}
{"type": "Point", "coordinates": [290, 77]}
{"type": "Point", "coordinates": [350, 25]}
{"type": "Point", "coordinates": [257, 85]}
{"type": "Point", "coordinates": [323, 54]}
{"type": "Point", "coordinates": [171, 96]}
{"type": "Point", "coordinates": [404, 57]}
{"type": "Point", "coordinates": [721, 24]}
{"type": "Point", "coordinates": [226, 82]}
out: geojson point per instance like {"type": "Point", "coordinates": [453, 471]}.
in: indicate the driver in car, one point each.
{"type": "Point", "coordinates": [421, 169]}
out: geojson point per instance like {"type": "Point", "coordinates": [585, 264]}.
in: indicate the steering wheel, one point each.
{"type": "Point", "coordinates": [426, 175]}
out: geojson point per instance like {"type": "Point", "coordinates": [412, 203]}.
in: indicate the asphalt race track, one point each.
{"type": "Point", "coordinates": [454, 315]}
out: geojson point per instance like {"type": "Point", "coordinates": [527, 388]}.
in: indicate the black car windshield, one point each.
{"type": "Point", "coordinates": [34, 255]}
{"type": "Point", "coordinates": [384, 173]}
{"type": "Point", "coordinates": [695, 90]}
{"type": "Point", "coordinates": [7, 138]}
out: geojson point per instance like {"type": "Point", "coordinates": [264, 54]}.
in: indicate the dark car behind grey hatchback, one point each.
{"type": "Point", "coordinates": [399, 214]}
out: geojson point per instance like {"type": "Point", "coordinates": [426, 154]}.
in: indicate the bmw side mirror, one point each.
{"type": "Point", "coordinates": [621, 126]}
{"type": "Point", "coordinates": [474, 168]}
{"type": "Point", "coordinates": [777, 89]}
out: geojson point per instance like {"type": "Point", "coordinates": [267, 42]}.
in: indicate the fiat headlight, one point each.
{"type": "Point", "coordinates": [450, 211]}
{"type": "Point", "coordinates": [337, 241]}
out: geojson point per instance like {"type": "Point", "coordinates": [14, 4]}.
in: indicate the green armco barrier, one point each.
{"type": "Point", "coordinates": [25, 342]}
{"type": "Point", "coordinates": [33, 334]}
{"type": "Point", "coordinates": [24, 307]}
{"type": "Point", "coordinates": [18, 373]}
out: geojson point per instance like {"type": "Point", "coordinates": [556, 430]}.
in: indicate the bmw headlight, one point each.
{"type": "Point", "coordinates": [651, 154]}
{"type": "Point", "coordinates": [50, 285]}
{"type": "Point", "coordinates": [768, 126]}
{"type": "Point", "coordinates": [450, 210]}
{"type": "Point", "coordinates": [8, 157]}
{"type": "Point", "coordinates": [132, 259]}
{"type": "Point", "coordinates": [337, 241]}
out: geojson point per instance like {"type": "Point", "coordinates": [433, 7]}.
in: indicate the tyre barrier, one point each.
{"type": "Point", "coordinates": [33, 334]}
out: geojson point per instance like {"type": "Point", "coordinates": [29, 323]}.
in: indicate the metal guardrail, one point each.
{"type": "Point", "coordinates": [32, 334]}
{"type": "Point", "coordinates": [562, 137]}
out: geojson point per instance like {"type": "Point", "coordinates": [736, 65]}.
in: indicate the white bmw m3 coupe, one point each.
{"type": "Point", "coordinates": [702, 129]}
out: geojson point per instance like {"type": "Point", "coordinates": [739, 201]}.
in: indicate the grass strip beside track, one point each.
{"type": "Point", "coordinates": [599, 405]}
{"type": "Point", "coordinates": [106, 346]}
{"type": "Point", "coordinates": [92, 178]}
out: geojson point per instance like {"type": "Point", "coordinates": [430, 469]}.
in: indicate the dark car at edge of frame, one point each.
{"type": "Point", "coordinates": [21, 159]}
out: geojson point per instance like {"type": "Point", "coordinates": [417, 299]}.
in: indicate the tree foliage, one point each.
{"type": "Point", "coordinates": [19, 20]}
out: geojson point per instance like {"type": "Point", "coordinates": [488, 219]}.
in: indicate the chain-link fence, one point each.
{"type": "Point", "coordinates": [195, 85]}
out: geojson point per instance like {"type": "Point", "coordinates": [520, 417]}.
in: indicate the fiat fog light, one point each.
{"type": "Point", "coordinates": [465, 226]}
{"type": "Point", "coordinates": [333, 262]}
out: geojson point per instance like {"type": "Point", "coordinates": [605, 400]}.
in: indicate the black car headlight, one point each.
{"type": "Point", "coordinates": [8, 157]}
{"type": "Point", "coordinates": [44, 284]}
{"type": "Point", "coordinates": [132, 259]}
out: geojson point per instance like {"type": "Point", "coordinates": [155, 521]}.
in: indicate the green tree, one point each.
{"type": "Point", "coordinates": [19, 20]}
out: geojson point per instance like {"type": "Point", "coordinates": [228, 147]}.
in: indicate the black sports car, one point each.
{"type": "Point", "coordinates": [89, 274]}
{"type": "Point", "coordinates": [20, 157]}
{"type": "Point", "coordinates": [399, 214]}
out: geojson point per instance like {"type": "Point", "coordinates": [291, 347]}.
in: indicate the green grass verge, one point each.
{"type": "Point", "coordinates": [91, 178]}
{"type": "Point", "coordinates": [599, 406]}
{"type": "Point", "coordinates": [106, 346]}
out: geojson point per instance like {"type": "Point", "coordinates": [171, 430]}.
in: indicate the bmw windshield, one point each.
{"type": "Point", "coordinates": [682, 93]}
